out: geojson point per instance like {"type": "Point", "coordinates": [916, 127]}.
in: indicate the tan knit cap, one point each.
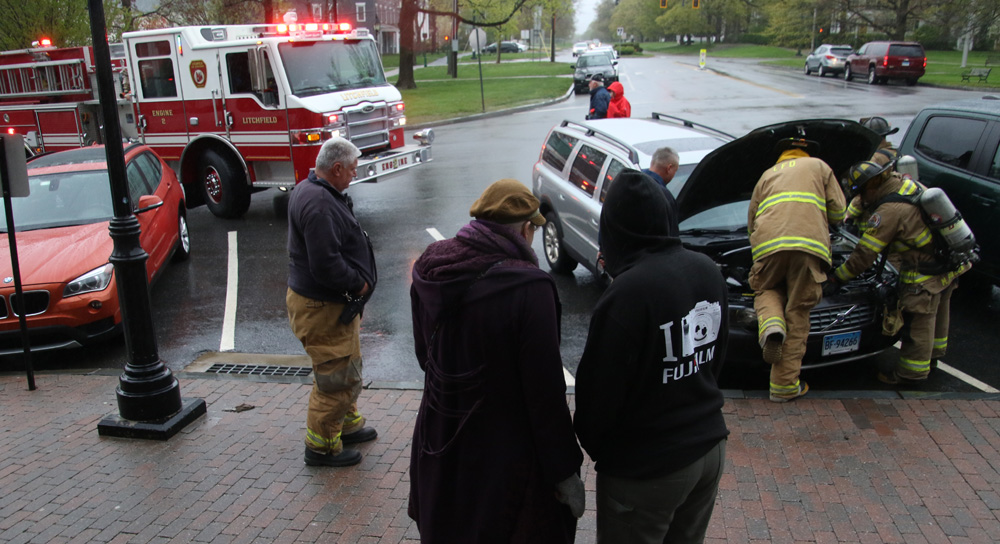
{"type": "Point", "coordinates": [507, 201]}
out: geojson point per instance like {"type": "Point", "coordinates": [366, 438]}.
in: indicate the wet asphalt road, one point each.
{"type": "Point", "coordinates": [189, 300]}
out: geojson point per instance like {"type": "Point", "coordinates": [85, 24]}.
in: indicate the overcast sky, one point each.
{"type": "Point", "coordinates": [586, 10]}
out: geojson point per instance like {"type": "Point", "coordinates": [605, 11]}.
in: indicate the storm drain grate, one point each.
{"type": "Point", "coordinates": [259, 370]}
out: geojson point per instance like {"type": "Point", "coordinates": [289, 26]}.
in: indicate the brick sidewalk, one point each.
{"type": "Point", "coordinates": [815, 470]}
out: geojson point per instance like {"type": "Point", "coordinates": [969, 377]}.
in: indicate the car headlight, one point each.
{"type": "Point", "coordinates": [95, 280]}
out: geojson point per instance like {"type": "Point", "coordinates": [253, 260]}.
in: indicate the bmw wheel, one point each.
{"type": "Point", "coordinates": [552, 241]}
{"type": "Point", "coordinates": [183, 251]}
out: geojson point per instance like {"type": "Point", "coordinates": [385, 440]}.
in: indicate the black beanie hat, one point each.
{"type": "Point", "coordinates": [634, 217]}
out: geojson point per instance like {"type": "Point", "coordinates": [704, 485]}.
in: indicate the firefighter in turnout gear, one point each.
{"type": "Point", "coordinates": [925, 284]}
{"type": "Point", "coordinates": [885, 150]}
{"type": "Point", "coordinates": [791, 210]}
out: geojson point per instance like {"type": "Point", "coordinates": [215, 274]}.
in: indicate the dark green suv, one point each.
{"type": "Point", "coordinates": [957, 147]}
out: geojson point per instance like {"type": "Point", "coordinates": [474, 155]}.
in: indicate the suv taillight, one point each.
{"type": "Point", "coordinates": [925, 62]}
{"type": "Point", "coordinates": [885, 60]}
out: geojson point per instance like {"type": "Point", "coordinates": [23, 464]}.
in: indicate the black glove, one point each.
{"type": "Point", "coordinates": [830, 287]}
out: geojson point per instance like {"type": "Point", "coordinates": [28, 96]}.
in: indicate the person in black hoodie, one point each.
{"type": "Point", "coordinates": [648, 408]}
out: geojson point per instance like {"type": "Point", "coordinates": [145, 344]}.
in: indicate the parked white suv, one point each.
{"type": "Point", "coordinates": [578, 162]}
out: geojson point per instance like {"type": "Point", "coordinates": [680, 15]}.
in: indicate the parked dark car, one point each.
{"type": "Point", "coordinates": [505, 47]}
{"type": "Point", "coordinates": [957, 148]}
{"type": "Point", "coordinates": [828, 59]}
{"type": "Point", "coordinates": [882, 61]}
{"type": "Point", "coordinates": [712, 207]}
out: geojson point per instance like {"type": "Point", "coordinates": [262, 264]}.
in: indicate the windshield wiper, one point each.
{"type": "Point", "coordinates": [699, 232]}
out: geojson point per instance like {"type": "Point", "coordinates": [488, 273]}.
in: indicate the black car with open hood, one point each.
{"type": "Point", "coordinates": [713, 204]}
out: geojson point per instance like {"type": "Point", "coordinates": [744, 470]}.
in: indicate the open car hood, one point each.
{"type": "Point", "coordinates": [729, 173]}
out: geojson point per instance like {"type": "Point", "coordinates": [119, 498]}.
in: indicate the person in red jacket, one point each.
{"type": "Point", "coordinates": [619, 106]}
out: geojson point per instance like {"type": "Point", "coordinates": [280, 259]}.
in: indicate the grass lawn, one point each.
{"type": "Point", "coordinates": [446, 99]}
{"type": "Point", "coordinates": [494, 70]}
{"type": "Point", "coordinates": [721, 50]}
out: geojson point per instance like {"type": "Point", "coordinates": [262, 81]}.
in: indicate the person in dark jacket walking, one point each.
{"type": "Point", "coordinates": [494, 458]}
{"type": "Point", "coordinates": [648, 406]}
{"type": "Point", "coordinates": [331, 273]}
{"type": "Point", "coordinates": [600, 98]}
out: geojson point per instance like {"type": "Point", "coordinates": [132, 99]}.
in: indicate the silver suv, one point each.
{"type": "Point", "coordinates": [578, 162]}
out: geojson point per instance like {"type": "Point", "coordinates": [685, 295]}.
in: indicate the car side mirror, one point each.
{"type": "Point", "coordinates": [148, 202]}
{"type": "Point", "coordinates": [572, 67]}
{"type": "Point", "coordinates": [614, 63]}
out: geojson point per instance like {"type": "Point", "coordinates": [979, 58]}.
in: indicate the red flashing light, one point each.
{"type": "Point", "coordinates": [400, 106]}
{"type": "Point", "coordinates": [344, 27]}
{"type": "Point", "coordinates": [45, 42]}
{"type": "Point", "coordinates": [282, 29]}
{"type": "Point", "coordinates": [326, 27]}
{"type": "Point", "coordinates": [10, 131]}
{"type": "Point", "coordinates": [311, 27]}
{"type": "Point", "coordinates": [332, 118]}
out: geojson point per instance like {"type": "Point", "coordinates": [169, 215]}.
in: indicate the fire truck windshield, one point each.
{"type": "Point", "coordinates": [317, 67]}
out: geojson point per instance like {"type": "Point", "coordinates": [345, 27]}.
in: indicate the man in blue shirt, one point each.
{"type": "Point", "coordinates": [662, 168]}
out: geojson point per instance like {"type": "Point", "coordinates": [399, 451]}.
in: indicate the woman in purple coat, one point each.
{"type": "Point", "coordinates": [494, 455]}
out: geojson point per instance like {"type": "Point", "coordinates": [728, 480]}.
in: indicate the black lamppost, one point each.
{"type": "Point", "coordinates": [149, 397]}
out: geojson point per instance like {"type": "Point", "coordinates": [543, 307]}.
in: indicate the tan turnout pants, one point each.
{"type": "Point", "coordinates": [335, 350]}
{"type": "Point", "coordinates": [925, 333]}
{"type": "Point", "coordinates": [787, 285]}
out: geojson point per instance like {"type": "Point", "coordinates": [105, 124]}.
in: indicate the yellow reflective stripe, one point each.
{"type": "Point", "coordinates": [835, 216]}
{"type": "Point", "coordinates": [908, 188]}
{"type": "Point", "coordinates": [786, 389]}
{"type": "Point", "coordinates": [843, 275]}
{"type": "Point", "coordinates": [853, 210]}
{"type": "Point", "coordinates": [792, 196]}
{"type": "Point", "coordinates": [914, 365]}
{"type": "Point", "coordinates": [791, 242]}
{"type": "Point", "coordinates": [318, 442]}
{"type": "Point", "coordinates": [923, 238]}
{"type": "Point", "coordinates": [352, 418]}
{"type": "Point", "coordinates": [775, 321]}
{"type": "Point", "coordinates": [912, 276]}
{"type": "Point", "coordinates": [941, 343]}
{"type": "Point", "coordinates": [872, 243]}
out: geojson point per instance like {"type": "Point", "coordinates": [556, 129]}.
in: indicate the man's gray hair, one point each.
{"type": "Point", "coordinates": [662, 157]}
{"type": "Point", "coordinates": [336, 150]}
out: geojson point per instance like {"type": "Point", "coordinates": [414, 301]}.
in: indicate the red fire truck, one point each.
{"type": "Point", "coordinates": [233, 109]}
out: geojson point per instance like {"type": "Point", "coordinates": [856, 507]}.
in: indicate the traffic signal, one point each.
{"type": "Point", "coordinates": [695, 4]}
{"type": "Point", "coordinates": [663, 4]}
{"type": "Point", "coordinates": [447, 38]}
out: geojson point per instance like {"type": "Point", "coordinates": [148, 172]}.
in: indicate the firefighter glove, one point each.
{"type": "Point", "coordinates": [570, 493]}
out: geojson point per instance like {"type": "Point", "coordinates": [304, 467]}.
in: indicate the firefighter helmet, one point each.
{"type": "Point", "coordinates": [879, 126]}
{"type": "Point", "coordinates": [863, 172]}
{"type": "Point", "coordinates": [809, 146]}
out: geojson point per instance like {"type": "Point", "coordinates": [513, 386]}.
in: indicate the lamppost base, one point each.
{"type": "Point", "coordinates": [161, 429]}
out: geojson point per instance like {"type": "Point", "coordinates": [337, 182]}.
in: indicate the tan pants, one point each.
{"type": "Point", "coordinates": [335, 350]}
{"type": "Point", "coordinates": [925, 333]}
{"type": "Point", "coordinates": [787, 285]}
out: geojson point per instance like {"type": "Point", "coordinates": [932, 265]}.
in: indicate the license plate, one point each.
{"type": "Point", "coordinates": [841, 343]}
{"type": "Point", "coordinates": [906, 63]}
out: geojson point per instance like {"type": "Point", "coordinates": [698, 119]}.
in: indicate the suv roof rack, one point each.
{"type": "Point", "coordinates": [690, 124]}
{"type": "Point", "coordinates": [633, 153]}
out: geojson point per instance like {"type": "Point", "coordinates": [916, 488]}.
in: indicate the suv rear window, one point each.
{"type": "Point", "coordinates": [841, 51]}
{"type": "Point", "coordinates": [557, 150]}
{"type": "Point", "coordinates": [951, 140]}
{"type": "Point", "coordinates": [897, 50]}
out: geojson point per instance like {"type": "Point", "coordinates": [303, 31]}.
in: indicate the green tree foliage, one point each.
{"type": "Point", "coordinates": [599, 28]}
{"type": "Point", "coordinates": [684, 21]}
{"type": "Point", "coordinates": [790, 22]}
{"type": "Point", "coordinates": [65, 22]}
{"type": "Point", "coordinates": [637, 18]}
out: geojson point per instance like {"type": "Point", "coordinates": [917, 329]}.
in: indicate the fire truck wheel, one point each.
{"type": "Point", "coordinates": [226, 191]}
{"type": "Point", "coordinates": [183, 251]}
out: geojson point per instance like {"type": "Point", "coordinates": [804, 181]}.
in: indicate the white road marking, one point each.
{"type": "Point", "coordinates": [974, 382]}
{"type": "Point", "coordinates": [570, 380]}
{"type": "Point", "coordinates": [228, 342]}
